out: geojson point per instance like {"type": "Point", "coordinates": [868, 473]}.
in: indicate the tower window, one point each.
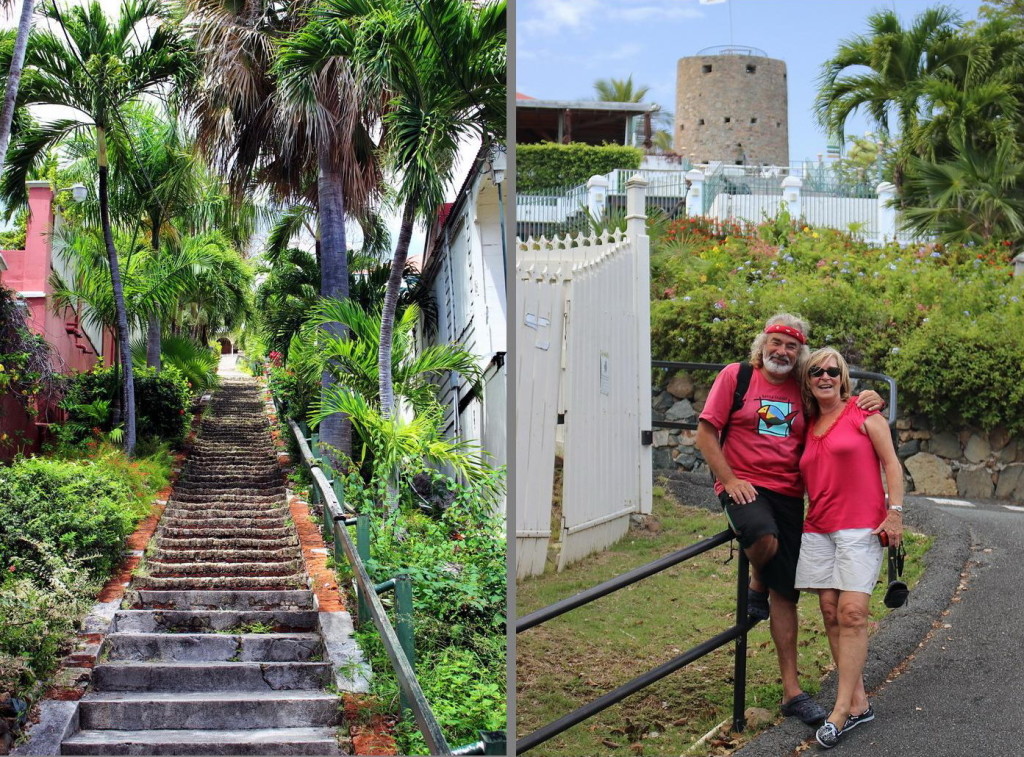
{"type": "Point", "coordinates": [728, 119]}
{"type": "Point", "coordinates": [706, 68]}
{"type": "Point", "coordinates": [753, 120]}
{"type": "Point", "coordinates": [751, 68]}
{"type": "Point", "coordinates": [778, 124]}
{"type": "Point", "coordinates": [700, 122]}
{"type": "Point", "coordinates": [681, 127]}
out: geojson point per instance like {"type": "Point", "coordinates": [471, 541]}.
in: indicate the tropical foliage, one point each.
{"type": "Point", "coordinates": [946, 98]}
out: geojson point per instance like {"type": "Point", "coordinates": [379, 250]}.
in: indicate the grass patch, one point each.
{"type": "Point", "coordinates": [576, 658]}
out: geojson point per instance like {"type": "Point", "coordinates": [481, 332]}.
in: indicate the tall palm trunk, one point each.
{"type": "Point", "coordinates": [390, 307]}
{"type": "Point", "coordinates": [386, 385]}
{"type": "Point", "coordinates": [14, 78]}
{"type": "Point", "coordinates": [128, 390]}
{"type": "Point", "coordinates": [153, 340]}
{"type": "Point", "coordinates": [335, 430]}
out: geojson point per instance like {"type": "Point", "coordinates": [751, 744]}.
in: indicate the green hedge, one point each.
{"type": "Point", "coordinates": [79, 510]}
{"type": "Point", "coordinates": [944, 322]}
{"type": "Point", "coordinates": [554, 166]}
{"type": "Point", "coordinates": [161, 400]}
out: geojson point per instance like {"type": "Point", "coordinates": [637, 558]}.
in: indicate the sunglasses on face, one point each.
{"type": "Point", "coordinates": [818, 370]}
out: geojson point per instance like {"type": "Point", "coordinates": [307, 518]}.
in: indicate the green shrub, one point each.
{"type": "Point", "coordinates": [294, 394]}
{"type": "Point", "coordinates": [959, 369]}
{"type": "Point", "coordinates": [712, 290]}
{"type": "Point", "coordinates": [161, 400]}
{"type": "Point", "coordinates": [39, 618]}
{"type": "Point", "coordinates": [555, 166]}
{"type": "Point", "coordinates": [78, 509]}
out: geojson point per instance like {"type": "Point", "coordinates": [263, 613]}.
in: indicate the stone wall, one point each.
{"type": "Point", "coordinates": [973, 464]}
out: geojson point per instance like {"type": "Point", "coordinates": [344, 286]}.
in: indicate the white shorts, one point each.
{"type": "Point", "coordinates": [847, 560]}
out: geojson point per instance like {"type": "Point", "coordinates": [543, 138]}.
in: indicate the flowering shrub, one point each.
{"type": "Point", "coordinates": [887, 309]}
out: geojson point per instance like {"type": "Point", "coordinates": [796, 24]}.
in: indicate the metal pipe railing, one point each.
{"type": "Point", "coordinates": [737, 632]}
{"type": "Point", "coordinates": [336, 515]}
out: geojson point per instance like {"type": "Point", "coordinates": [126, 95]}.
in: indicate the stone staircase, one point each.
{"type": "Point", "coordinates": [221, 652]}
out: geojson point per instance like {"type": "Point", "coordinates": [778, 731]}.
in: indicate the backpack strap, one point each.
{"type": "Point", "coordinates": [743, 376]}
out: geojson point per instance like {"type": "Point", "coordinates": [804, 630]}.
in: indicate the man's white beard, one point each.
{"type": "Point", "coordinates": [777, 368]}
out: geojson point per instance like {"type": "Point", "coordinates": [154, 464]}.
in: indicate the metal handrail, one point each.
{"type": "Point", "coordinates": [737, 632]}
{"type": "Point", "coordinates": [338, 514]}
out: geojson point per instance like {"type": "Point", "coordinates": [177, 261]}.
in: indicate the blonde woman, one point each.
{"type": "Point", "coordinates": [841, 550]}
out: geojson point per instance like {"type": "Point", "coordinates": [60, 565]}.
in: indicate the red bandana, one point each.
{"type": "Point", "coordinates": [778, 328]}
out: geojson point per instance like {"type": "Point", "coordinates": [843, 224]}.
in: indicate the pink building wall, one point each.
{"type": "Point", "coordinates": [28, 274]}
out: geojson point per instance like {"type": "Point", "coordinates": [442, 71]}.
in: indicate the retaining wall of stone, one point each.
{"type": "Point", "coordinates": [971, 463]}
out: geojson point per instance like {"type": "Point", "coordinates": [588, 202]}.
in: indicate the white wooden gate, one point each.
{"type": "Point", "coordinates": [583, 358]}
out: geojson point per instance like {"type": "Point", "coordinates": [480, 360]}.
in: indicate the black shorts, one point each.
{"type": "Point", "coordinates": [778, 515]}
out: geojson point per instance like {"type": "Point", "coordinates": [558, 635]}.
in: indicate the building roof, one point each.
{"type": "Point", "coordinates": [588, 121]}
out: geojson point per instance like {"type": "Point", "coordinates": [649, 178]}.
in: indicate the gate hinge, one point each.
{"type": "Point", "coordinates": [646, 437]}
{"type": "Point", "coordinates": [561, 419]}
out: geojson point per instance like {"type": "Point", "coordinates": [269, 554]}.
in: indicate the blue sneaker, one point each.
{"type": "Point", "coordinates": [828, 735]}
{"type": "Point", "coordinates": [855, 720]}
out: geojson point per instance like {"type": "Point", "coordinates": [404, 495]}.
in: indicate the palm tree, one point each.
{"type": "Point", "coordinates": [977, 197]}
{"type": "Point", "coordinates": [14, 71]}
{"type": "Point", "coordinates": [443, 64]}
{"type": "Point", "coordinates": [900, 61]}
{"type": "Point", "coordinates": [305, 136]}
{"type": "Point", "coordinates": [614, 90]}
{"type": "Point", "coordinates": [397, 445]}
{"type": "Point", "coordinates": [97, 67]}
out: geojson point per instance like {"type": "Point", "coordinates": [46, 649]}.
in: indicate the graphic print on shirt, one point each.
{"type": "Point", "coordinates": [775, 418]}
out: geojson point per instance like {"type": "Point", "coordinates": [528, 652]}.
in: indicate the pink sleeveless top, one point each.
{"type": "Point", "coordinates": [843, 477]}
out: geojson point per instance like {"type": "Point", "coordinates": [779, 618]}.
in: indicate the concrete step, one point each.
{"type": "Point", "coordinates": [220, 532]}
{"type": "Point", "coordinates": [196, 647]}
{"type": "Point", "coordinates": [223, 583]}
{"type": "Point", "coordinates": [253, 519]}
{"type": "Point", "coordinates": [143, 711]}
{"type": "Point", "coordinates": [226, 542]}
{"type": "Point", "coordinates": [227, 552]}
{"type": "Point", "coordinates": [158, 567]}
{"type": "Point", "coordinates": [268, 741]}
{"type": "Point", "coordinates": [210, 621]}
{"type": "Point", "coordinates": [211, 676]}
{"type": "Point", "coordinates": [225, 600]}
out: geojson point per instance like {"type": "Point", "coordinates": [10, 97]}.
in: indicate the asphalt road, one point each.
{"type": "Point", "coordinates": [944, 672]}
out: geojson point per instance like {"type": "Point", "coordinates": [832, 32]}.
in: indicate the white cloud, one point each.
{"type": "Point", "coordinates": [553, 17]}
{"type": "Point", "coordinates": [654, 11]}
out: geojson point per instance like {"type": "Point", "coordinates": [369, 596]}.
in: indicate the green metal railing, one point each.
{"type": "Point", "coordinates": [399, 644]}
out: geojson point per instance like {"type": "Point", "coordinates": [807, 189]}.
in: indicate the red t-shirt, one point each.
{"type": "Point", "coordinates": [841, 470]}
{"type": "Point", "coordinates": [766, 435]}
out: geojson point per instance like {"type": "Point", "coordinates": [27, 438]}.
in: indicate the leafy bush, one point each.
{"type": "Point", "coordinates": [456, 559]}
{"type": "Point", "coordinates": [550, 165]}
{"type": "Point", "coordinates": [40, 616]}
{"type": "Point", "coordinates": [963, 370]}
{"type": "Point", "coordinates": [295, 394]}
{"type": "Point", "coordinates": [162, 401]}
{"type": "Point", "coordinates": [712, 292]}
{"type": "Point", "coordinates": [80, 510]}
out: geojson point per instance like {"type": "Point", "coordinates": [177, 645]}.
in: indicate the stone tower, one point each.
{"type": "Point", "coordinates": [731, 106]}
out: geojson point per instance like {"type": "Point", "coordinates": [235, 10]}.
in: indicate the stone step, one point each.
{"type": "Point", "coordinates": [225, 600]}
{"type": "Point", "coordinates": [268, 741]}
{"type": "Point", "coordinates": [209, 621]}
{"type": "Point", "coordinates": [197, 647]}
{"type": "Point", "coordinates": [142, 711]}
{"type": "Point", "coordinates": [223, 583]}
{"type": "Point", "coordinates": [234, 478]}
{"type": "Point", "coordinates": [220, 532]}
{"type": "Point", "coordinates": [251, 519]}
{"type": "Point", "coordinates": [225, 542]}
{"type": "Point", "coordinates": [275, 494]}
{"type": "Point", "coordinates": [224, 554]}
{"type": "Point", "coordinates": [181, 508]}
{"type": "Point", "coordinates": [211, 676]}
{"type": "Point", "coordinates": [158, 567]}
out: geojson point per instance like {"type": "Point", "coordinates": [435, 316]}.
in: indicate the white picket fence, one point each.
{"type": "Point", "coordinates": [583, 356]}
